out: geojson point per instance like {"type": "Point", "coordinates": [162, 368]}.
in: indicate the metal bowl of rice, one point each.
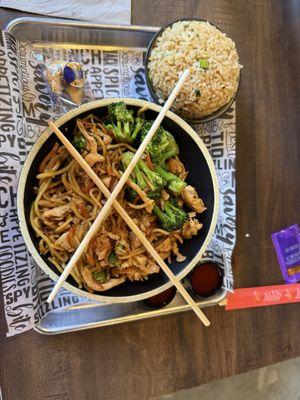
{"type": "Point", "coordinates": [214, 67]}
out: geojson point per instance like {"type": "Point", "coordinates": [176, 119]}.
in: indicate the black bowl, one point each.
{"type": "Point", "coordinates": [202, 175]}
{"type": "Point", "coordinates": [152, 43]}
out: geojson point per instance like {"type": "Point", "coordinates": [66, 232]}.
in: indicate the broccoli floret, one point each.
{"type": "Point", "coordinates": [136, 176]}
{"type": "Point", "coordinates": [139, 122]}
{"type": "Point", "coordinates": [120, 247]}
{"type": "Point", "coordinates": [122, 123]}
{"type": "Point", "coordinates": [171, 218]}
{"type": "Point", "coordinates": [154, 181]}
{"type": "Point", "coordinates": [148, 180]}
{"type": "Point", "coordinates": [113, 259]}
{"type": "Point", "coordinates": [100, 276]}
{"type": "Point", "coordinates": [119, 112]}
{"type": "Point", "coordinates": [79, 142]}
{"type": "Point", "coordinates": [174, 183]}
{"type": "Point", "coordinates": [162, 146]}
{"type": "Point", "coordinates": [145, 129]}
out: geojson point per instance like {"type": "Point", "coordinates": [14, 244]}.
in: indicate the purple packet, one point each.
{"type": "Point", "coordinates": [287, 246]}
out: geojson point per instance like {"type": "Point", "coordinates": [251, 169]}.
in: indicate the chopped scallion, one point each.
{"type": "Point", "coordinates": [204, 64]}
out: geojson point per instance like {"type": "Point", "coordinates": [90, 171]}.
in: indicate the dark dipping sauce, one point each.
{"type": "Point", "coordinates": [162, 299]}
{"type": "Point", "coordinates": [206, 279]}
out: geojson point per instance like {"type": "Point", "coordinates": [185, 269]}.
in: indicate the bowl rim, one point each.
{"type": "Point", "coordinates": [21, 192]}
{"type": "Point", "coordinates": [208, 118]}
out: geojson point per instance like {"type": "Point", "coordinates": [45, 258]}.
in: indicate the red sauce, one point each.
{"type": "Point", "coordinates": [161, 299]}
{"type": "Point", "coordinates": [206, 279]}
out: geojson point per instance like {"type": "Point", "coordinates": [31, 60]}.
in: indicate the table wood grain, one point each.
{"type": "Point", "coordinates": [145, 359]}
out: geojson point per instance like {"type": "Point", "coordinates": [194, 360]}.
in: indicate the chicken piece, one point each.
{"type": "Point", "coordinates": [134, 241]}
{"type": "Point", "coordinates": [166, 245]}
{"type": "Point", "coordinates": [106, 139]}
{"type": "Point", "coordinates": [90, 139]}
{"type": "Point", "coordinates": [45, 203]}
{"type": "Point", "coordinates": [93, 158]}
{"type": "Point", "coordinates": [70, 239]}
{"type": "Point", "coordinates": [175, 249]}
{"type": "Point", "coordinates": [100, 287]}
{"type": "Point", "coordinates": [165, 195]}
{"type": "Point", "coordinates": [191, 198]}
{"type": "Point", "coordinates": [180, 257]}
{"type": "Point", "coordinates": [150, 205]}
{"type": "Point", "coordinates": [176, 167]}
{"type": "Point", "coordinates": [102, 246]}
{"type": "Point", "coordinates": [145, 221]}
{"type": "Point", "coordinates": [57, 213]}
{"type": "Point", "coordinates": [145, 265]}
{"type": "Point", "coordinates": [103, 132]}
{"type": "Point", "coordinates": [81, 230]}
{"type": "Point", "coordinates": [107, 181]}
{"type": "Point", "coordinates": [164, 248]}
{"type": "Point", "coordinates": [113, 236]}
{"type": "Point", "coordinates": [190, 228]}
{"type": "Point", "coordinates": [137, 268]}
{"type": "Point", "coordinates": [163, 254]}
{"type": "Point", "coordinates": [64, 242]}
{"type": "Point", "coordinates": [131, 273]}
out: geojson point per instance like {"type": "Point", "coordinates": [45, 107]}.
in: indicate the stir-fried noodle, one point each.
{"type": "Point", "coordinates": [67, 202]}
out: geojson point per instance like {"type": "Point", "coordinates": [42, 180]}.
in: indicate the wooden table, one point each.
{"type": "Point", "coordinates": [149, 358]}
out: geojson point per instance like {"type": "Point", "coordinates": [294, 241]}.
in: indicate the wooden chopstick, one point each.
{"type": "Point", "coordinates": [139, 234]}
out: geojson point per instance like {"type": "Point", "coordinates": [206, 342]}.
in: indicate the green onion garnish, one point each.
{"type": "Point", "coordinates": [203, 64]}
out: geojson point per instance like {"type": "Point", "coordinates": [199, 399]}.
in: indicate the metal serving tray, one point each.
{"type": "Point", "coordinates": [87, 316]}
{"type": "Point", "coordinates": [50, 32]}
{"type": "Point", "coordinates": [65, 33]}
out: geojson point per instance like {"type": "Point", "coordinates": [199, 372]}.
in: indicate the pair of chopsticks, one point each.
{"type": "Point", "coordinates": [111, 201]}
{"type": "Point", "coordinates": [262, 296]}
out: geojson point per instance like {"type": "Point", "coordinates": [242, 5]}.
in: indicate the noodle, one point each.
{"type": "Point", "coordinates": [67, 202]}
